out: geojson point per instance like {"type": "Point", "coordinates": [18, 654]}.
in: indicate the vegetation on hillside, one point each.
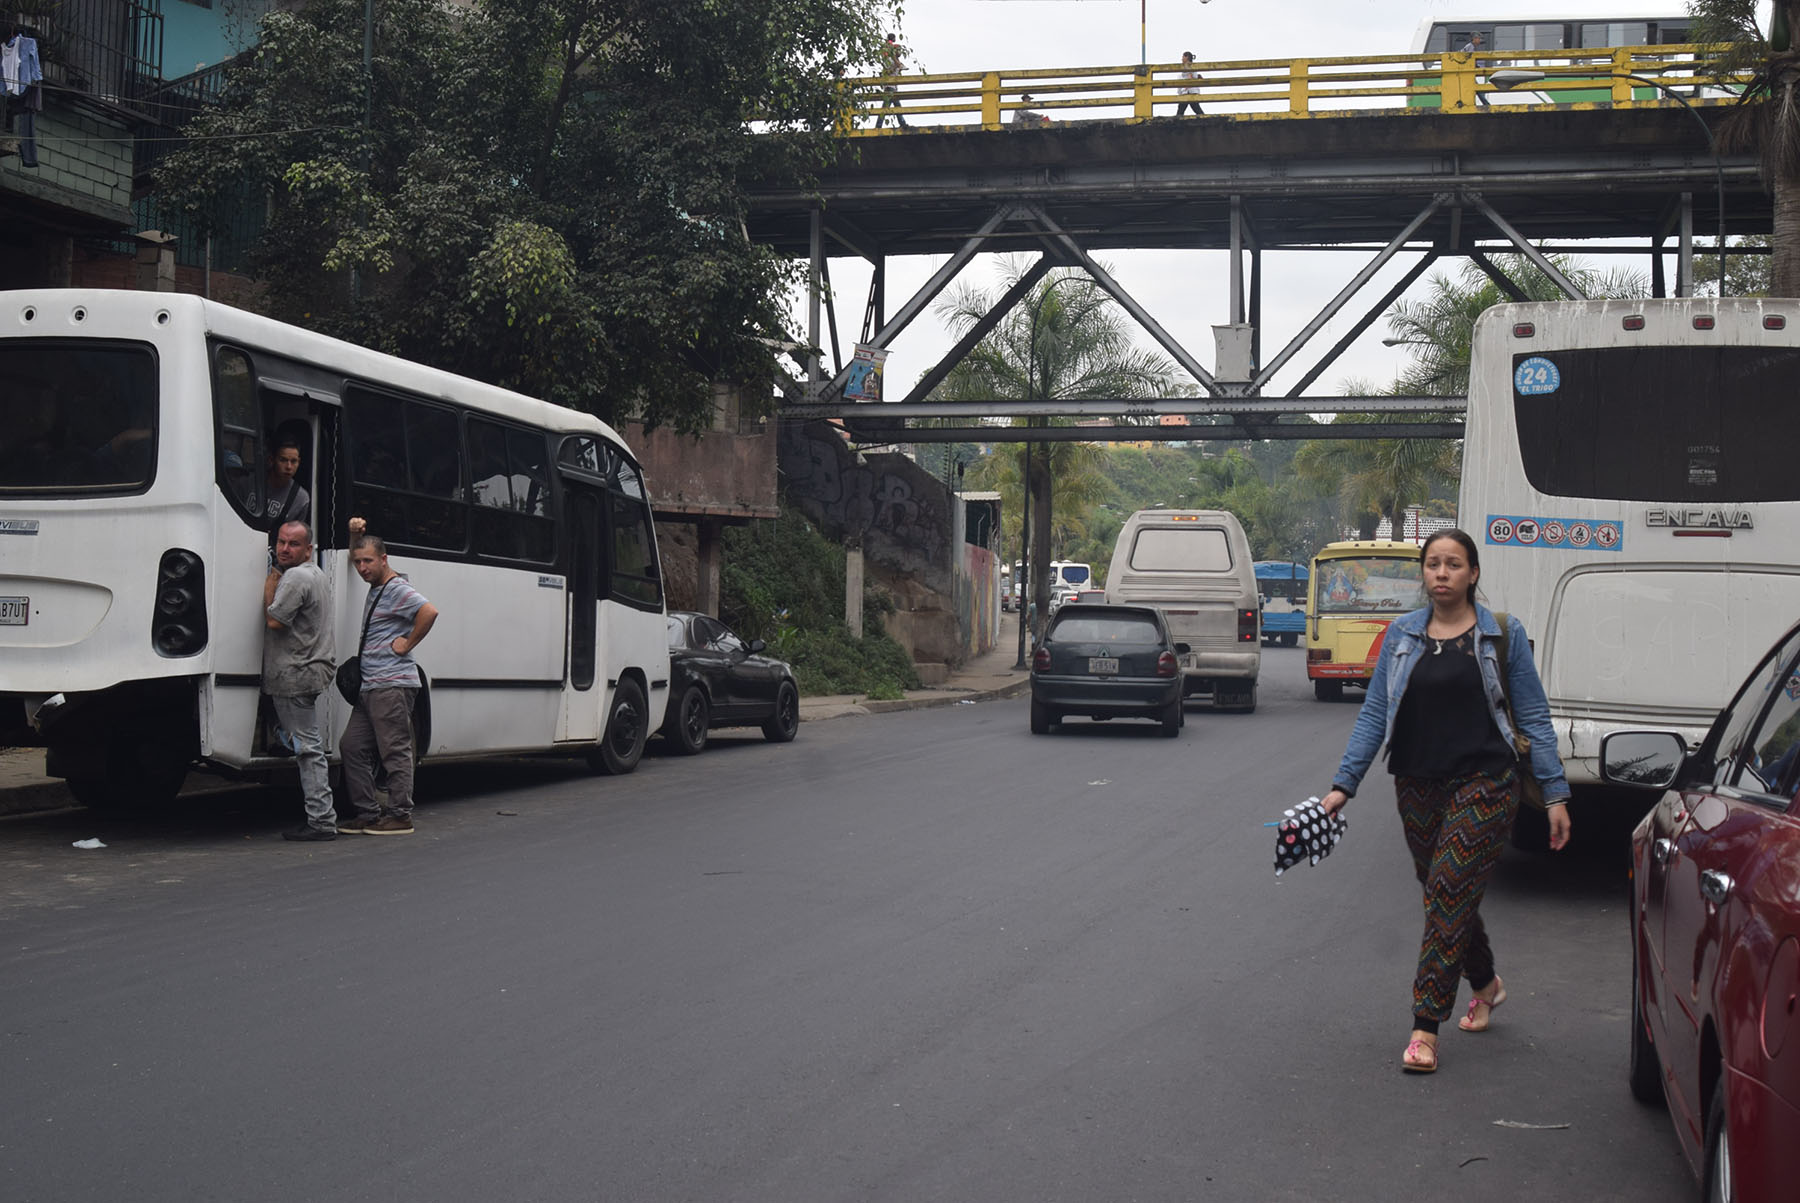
{"type": "Point", "coordinates": [783, 583]}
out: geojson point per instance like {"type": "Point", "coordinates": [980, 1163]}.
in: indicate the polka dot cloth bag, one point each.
{"type": "Point", "coordinates": [1305, 833]}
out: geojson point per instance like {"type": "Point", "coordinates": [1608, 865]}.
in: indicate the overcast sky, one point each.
{"type": "Point", "coordinates": [1185, 290]}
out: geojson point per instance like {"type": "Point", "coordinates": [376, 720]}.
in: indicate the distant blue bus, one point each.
{"type": "Point", "coordinates": [1282, 584]}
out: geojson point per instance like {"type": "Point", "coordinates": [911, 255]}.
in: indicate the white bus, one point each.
{"type": "Point", "coordinates": [1628, 472]}
{"type": "Point", "coordinates": [134, 539]}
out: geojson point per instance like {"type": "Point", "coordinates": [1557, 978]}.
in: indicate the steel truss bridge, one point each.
{"type": "Point", "coordinates": [1396, 158]}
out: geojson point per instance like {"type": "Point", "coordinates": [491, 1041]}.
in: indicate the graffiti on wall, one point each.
{"type": "Point", "coordinates": [896, 509]}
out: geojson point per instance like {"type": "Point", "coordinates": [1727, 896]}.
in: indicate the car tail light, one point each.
{"type": "Point", "coordinates": [1246, 626]}
{"type": "Point", "coordinates": [1524, 330]}
{"type": "Point", "coordinates": [1774, 321]}
{"type": "Point", "coordinates": [1634, 322]}
{"type": "Point", "coordinates": [1704, 321]}
{"type": "Point", "coordinates": [1166, 666]}
{"type": "Point", "coordinates": [178, 627]}
{"type": "Point", "coordinates": [1315, 655]}
{"type": "Point", "coordinates": [1040, 660]}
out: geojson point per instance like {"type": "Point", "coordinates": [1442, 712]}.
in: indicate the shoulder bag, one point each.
{"type": "Point", "coordinates": [1530, 790]}
{"type": "Point", "coordinates": [349, 673]}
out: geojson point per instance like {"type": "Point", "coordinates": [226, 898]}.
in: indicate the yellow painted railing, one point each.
{"type": "Point", "coordinates": [1278, 88]}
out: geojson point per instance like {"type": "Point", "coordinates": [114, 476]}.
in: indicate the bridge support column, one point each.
{"type": "Point", "coordinates": [1684, 272]}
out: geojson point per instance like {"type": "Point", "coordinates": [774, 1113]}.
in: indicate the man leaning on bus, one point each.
{"type": "Point", "coordinates": [297, 656]}
{"type": "Point", "coordinates": [395, 618]}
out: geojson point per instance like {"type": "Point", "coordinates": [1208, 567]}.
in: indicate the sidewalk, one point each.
{"type": "Point", "coordinates": [24, 787]}
{"type": "Point", "coordinates": [983, 678]}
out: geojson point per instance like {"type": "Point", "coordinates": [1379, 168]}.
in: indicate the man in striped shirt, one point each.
{"type": "Point", "coordinates": [395, 618]}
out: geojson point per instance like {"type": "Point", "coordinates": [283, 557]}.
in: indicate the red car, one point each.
{"type": "Point", "coordinates": [1715, 933]}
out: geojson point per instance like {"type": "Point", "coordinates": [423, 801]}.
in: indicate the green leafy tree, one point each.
{"type": "Point", "coordinates": [1746, 275]}
{"type": "Point", "coordinates": [1065, 340]}
{"type": "Point", "coordinates": [546, 194]}
{"type": "Point", "coordinates": [1767, 119]}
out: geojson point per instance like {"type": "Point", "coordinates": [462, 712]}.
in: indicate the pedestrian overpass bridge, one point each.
{"type": "Point", "coordinates": [1399, 158]}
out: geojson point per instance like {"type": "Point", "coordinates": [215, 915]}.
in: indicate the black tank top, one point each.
{"type": "Point", "coordinates": [1443, 729]}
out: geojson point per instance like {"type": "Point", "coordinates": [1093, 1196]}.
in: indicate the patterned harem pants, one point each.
{"type": "Point", "coordinates": [1455, 830]}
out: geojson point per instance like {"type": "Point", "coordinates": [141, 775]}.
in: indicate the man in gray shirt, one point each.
{"type": "Point", "coordinates": [297, 667]}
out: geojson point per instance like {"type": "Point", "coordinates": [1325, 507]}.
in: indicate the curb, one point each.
{"type": "Point", "coordinates": [889, 706]}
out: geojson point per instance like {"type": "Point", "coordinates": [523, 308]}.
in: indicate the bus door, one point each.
{"type": "Point", "coordinates": [583, 552]}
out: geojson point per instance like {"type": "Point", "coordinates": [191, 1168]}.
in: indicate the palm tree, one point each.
{"type": "Point", "coordinates": [1376, 478]}
{"type": "Point", "coordinates": [1065, 341]}
{"type": "Point", "coordinates": [1767, 121]}
{"type": "Point", "coordinates": [1440, 330]}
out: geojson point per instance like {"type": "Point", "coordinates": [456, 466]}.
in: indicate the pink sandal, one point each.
{"type": "Point", "coordinates": [1467, 1022]}
{"type": "Point", "coordinates": [1413, 1063]}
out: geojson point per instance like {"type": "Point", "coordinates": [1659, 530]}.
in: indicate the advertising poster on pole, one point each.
{"type": "Point", "coordinates": [865, 374]}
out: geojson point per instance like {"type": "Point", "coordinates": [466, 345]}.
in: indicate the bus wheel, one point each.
{"type": "Point", "coordinates": [1328, 691]}
{"type": "Point", "coordinates": [621, 746]}
{"type": "Point", "coordinates": [685, 729]}
{"type": "Point", "coordinates": [1289, 638]}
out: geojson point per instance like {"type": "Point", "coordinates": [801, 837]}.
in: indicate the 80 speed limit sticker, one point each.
{"type": "Point", "coordinates": [1555, 534]}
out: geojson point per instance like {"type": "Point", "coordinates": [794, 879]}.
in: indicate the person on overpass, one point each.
{"type": "Point", "coordinates": [1188, 72]}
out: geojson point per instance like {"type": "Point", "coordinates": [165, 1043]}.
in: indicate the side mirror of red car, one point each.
{"type": "Point", "coordinates": [1645, 759]}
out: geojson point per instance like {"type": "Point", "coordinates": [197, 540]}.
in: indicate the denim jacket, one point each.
{"type": "Point", "coordinates": [1400, 653]}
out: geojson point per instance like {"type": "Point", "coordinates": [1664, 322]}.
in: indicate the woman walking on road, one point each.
{"type": "Point", "coordinates": [1440, 696]}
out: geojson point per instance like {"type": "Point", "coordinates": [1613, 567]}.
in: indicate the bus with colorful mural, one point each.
{"type": "Point", "coordinates": [1358, 587]}
{"type": "Point", "coordinates": [1628, 471]}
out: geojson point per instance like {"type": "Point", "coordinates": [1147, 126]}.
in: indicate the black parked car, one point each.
{"type": "Point", "coordinates": [1107, 662]}
{"type": "Point", "coordinates": [718, 680]}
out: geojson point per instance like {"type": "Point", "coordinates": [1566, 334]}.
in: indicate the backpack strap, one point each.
{"type": "Point", "coordinates": [1505, 621]}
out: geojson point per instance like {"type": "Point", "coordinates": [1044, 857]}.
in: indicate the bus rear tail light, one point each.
{"type": "Point", "coordinates": [1524, 330]}
{"type": "Point", "coordinates": [1317, 655]}
{"type": "Point", "coordinates": [1166, 666]}
{"type": "Point", "coordinates": [1634, 322]}
{"type": "Point", "coordinates": [1774, 321]}
{"type": "Point", "coordinates": [1246, 626]}
{"type": "Point", "coordinates": [1704, 321]}
{"type": "Point", "coordinates": [179, 625]}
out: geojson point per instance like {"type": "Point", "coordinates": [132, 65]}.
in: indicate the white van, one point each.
{"type": "Point", "coordinates": [1196, 565]}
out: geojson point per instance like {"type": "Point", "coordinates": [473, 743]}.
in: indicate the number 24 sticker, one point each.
{"type": "Point", "coordinates": [1536, 376]}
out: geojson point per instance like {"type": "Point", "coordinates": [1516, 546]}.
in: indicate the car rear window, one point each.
{"type": "Point", "coordinates": [1105, 628]}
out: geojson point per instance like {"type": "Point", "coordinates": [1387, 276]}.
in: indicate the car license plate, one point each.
{"type": "Point", "coordinates": [15, 611]}
{"type": "Point", "coordinates": [1103, 665]}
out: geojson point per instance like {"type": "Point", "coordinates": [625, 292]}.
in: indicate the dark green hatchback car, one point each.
{"type": "Point", "coordinates": [1106, 662]}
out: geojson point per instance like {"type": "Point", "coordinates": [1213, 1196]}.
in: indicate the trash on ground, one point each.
{"type": "Point", "coordinates": [506, 812]}
{"type": "Point", "coordinates": [89, 844]}
{"type": "Point", "coordinates": [1513, 1123]}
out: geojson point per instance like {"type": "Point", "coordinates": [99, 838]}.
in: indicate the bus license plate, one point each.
{"type": "Point", "coordinates": [15, 611]}
{"type": "Point", "coordinates": [1103, 665]}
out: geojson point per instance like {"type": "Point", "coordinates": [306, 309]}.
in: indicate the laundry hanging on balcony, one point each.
{"type": "Point", "coordinates": [19, 65]}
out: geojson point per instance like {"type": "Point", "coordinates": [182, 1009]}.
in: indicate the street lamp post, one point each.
{"type": "Point", "coordinates": [1515, 77]}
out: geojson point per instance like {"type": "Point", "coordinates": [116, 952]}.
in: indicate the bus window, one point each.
{"type": "Point", "coordinates": [1368, 585]}
{"type": "Point", "coordinates": [1664, 424]}
{"type": "Point", "coordinates": [634, 575]}
{"type": "Point", "coordinates": [511, 492]}
{"type": "Point", "coordinates": [77, 418]}
{"type": "Point", "coordinates": [406, 461]}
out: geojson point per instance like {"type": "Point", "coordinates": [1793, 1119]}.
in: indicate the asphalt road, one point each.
{"type": "Point", "coordinates": [916, 956]}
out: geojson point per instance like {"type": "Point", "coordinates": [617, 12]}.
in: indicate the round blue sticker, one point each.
{"type": "Point", "coordinates": [1536, 376]}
